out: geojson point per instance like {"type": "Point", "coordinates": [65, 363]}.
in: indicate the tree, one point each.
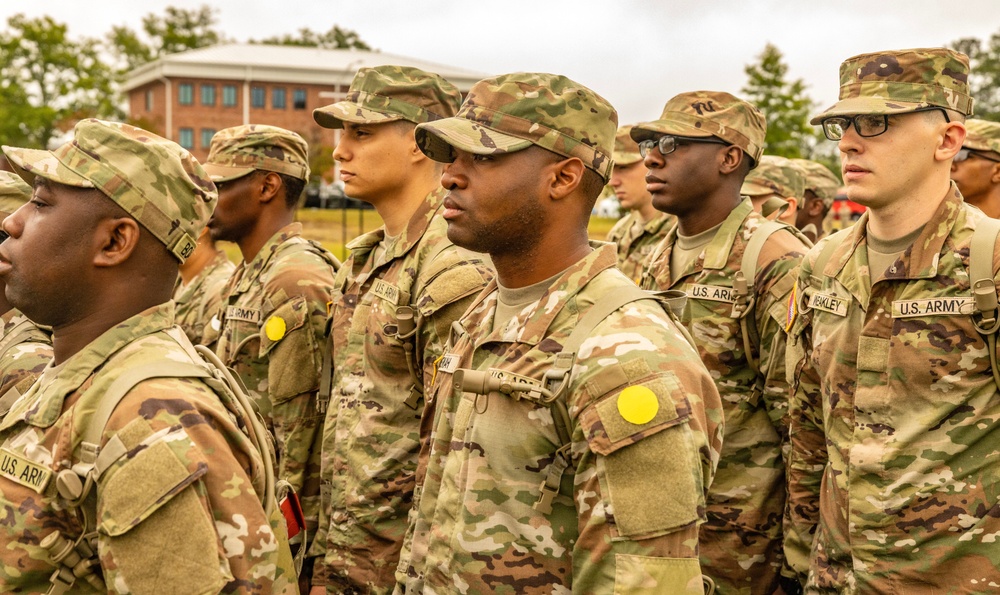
{"type": "Point", "coordinates": [177, 31]}
{"type": "Point", "coordinates": [335, 38]}
{"type": "Point", "coordinates": [48, 81]}
{"type": "Point", "coordinates": [785, 105]}
{"type": "Point", "coordinates": [985, 78]}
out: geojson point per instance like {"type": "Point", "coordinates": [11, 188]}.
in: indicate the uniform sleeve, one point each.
{"type": "Point", "coordinates": [808, 455]}
{"type": "Point", "coordinates": [180, 499]}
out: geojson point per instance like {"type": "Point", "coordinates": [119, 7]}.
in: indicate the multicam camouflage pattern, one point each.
{"type": "Point", "coordinates": [637, 239]}
{"type": "Point", "coordinates": [14, 192]}
{"type": "Point", "coordinates": [272, 334]}
{"type": "Point", "coordinates": [626, 516]}
{"type": "Point", "coordinates": [775, 175]}
{"type": "Point", "coordinates": [892, 479]}
{"type": "Point", "coordinates": [982, 135]}
{"type": "Point", "coordinates": [372, 436]}
{"type": "Point", "coordinates": [820, 180]}
{"type": "Point", "coordinates": [741, 542]}
{"type": "Point", "coordinates": [894, 82]}
{"type": "Point", "coordinates": [390, 93]}
{"type": "Point", "coordinates": [513, 111]}
{"type": "Point", "coordinates": [25, 350]}
{"type": "Point", "coordinates": [701, 114]}
{"type": "Point", "coordinates": [156, 181]}
{"type": "Point", "coordinates": [239, 150]}
{"type": "Point", "coordinates": [626, 151]}
{"type": "Point", "coordinates": [200, 300]}
{"type": "Point", "coordinates": [183, 500]}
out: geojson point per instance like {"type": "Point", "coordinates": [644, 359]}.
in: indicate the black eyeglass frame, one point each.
{"type": "Point", "coordinates": [847, 122]}
{"type": "Point", "coordinates": [673, 141]}
{"type": "Point", "coordinates": [973, 153]}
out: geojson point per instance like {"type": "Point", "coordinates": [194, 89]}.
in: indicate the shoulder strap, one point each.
{"type": "Point", "coordinates": [824, 257]}
{"type": "Point", "coordinates": [984, 290]}
{"type": "Point", "coordinates": [743, 284]}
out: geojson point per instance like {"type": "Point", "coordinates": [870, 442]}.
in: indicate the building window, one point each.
{"type": "Point", "coordinates": [185, 94]}
{"type": "Point", "coordinates": [206, 137]}
{"type": "Point", "coordinates": [299, 99]}
{"type": "Point", "coordinates": [186, 138]}
{"type": "Point", "coordinates": [208, 94]}
{"type": "Point", "coordinates": [258, 98]}
{"type": "Point", "coordinates": [149, 100]}
{"type": "Point", "coordinates": [229, 96]}
{"type": "Point", "coordinates": [279, 98]}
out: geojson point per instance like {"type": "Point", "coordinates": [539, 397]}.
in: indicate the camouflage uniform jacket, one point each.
{"type": "Point", "coordinates": [273, 332]}
{"type": "Point", "coordinates": [200, 299]}
{"type": "Point", "coordinates": [178, 509]}
{"type": "Point", "coordinates": [25, 350]}
{"type": "Point", "coordinates": [741, 542]}
{"type": "Point", "coordinates": [372, 434]}
{"type": "Point", "coordinates": [893, 475]}
{"type": "Point", "coordinates": [626, 513]}
{"type": "Point", "coordinates": [637, 240]}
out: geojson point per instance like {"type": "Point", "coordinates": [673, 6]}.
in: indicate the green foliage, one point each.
{"type": "Point", "coordinates": [785, 105]}
{"type": "Point", "coordinates": [48, 79]}
{"type": "Point", "coordinates": [178, 30]}
{"type": "Point", "coordinates": [984, 58]}
{"type": "Point", "coordinates": [335, 38]}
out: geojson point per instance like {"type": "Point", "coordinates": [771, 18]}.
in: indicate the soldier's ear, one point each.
{"type": "Point", "coordinates": [117, 239]}
{"type": "Point", "coordinates": [995, 174]}
{"type": "Point", "coordinates": [270, 186]}
{"type": "Point", "coordinates": [730, 159]}
{"type": "Point", "coordinates": [567, 176]}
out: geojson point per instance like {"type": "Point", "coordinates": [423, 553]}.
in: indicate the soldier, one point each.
{"type": "Point", "coordinates": [395, 300]}
{"type": "Point", "coordinates": [737, 269]}
{"type": "Point", "coordinates": [25, 349]}
{"type": "Point", "coordinates": [894, 411]}
{"type": "Point", "coordinates": [123, 468]}
{"type": "Point", "coordinates": [576, 429]}
{"type": "Point", "coordinates": [642, 228]}
{"type": "Point", "coordinates": [776, 188]}
{"type": "Point", "coordinates": [274, 323]}
{"type": "Point", "coordinates": [821, 191]}
{"type": "Point", "coordinates": [200, 288]}
{"type": "Point", "coordinates": [976, 168]}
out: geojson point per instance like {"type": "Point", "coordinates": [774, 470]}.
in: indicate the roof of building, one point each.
{"type": "Point", "coordinates": [284, 64]}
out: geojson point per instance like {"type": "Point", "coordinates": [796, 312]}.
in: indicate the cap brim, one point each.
{"type": "Point", "coordinates": [626, 158]}
{"type": "Point", "coordinates": [752, 188]}
{"type": "Point", "coordinates": [335, 114]}
{"type": "Point", "coordinates": [29, 163]}
{"type": "Point", "coordinates": [225, 173]}
{"type": "Point", "coordinates": [867, 105]}
{"type": "Point", "coordinates": [650, 130]}
{"type": "Point", "coordinates": [438, 139]}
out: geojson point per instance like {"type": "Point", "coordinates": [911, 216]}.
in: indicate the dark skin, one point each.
{"type": "Point", "coordinates": [812, 211]}
{"type": "Point", "coordinates": [251, 210]}
{"type": "Point", "coordinates": [698, 182]}
{"type": "Point", "coordinates": [487, 194]}
{"type": "Point", "coordinates": [115, 268]}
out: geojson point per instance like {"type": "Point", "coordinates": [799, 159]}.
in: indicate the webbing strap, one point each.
{"type": "Point", "coordinates": [748, 266]}
{"type": "Point", "coordinates": [824, 257]}
{"type": "Point", "coordinates": [981, 273]}
{"type": "Point", "coordinates": [601, 310]}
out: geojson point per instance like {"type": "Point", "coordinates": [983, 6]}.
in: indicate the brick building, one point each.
{"type": "Point", "coordinates": [188, 96]}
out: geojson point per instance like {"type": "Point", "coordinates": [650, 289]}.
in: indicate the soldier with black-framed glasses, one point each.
{"type": "Point", "coordinates": [976, 167]}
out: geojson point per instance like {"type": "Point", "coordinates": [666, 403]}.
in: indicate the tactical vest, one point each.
{"type": "Point", "coordinates": [76, 557]}
{"type": "Point", "coordinates": [23, 331]}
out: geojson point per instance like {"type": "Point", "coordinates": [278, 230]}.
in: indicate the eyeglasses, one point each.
{"type": "Point", "coordinates": [668, 143]}
{"type": "Point", "coordinates": [964, 154]}
{"type": "Point", "coordinates": [867, 125]}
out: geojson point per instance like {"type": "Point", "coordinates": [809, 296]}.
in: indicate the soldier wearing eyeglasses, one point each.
{"type": "Point", "coordinates": [976, 168]}
{"type": "Point", "coordinates": [697, 156]}
{"type": "Point", "coordinates": [893, 467]}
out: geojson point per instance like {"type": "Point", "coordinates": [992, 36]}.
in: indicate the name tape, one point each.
{"type": "Point", "coordinates": [828, 303]}
{"type": "Point", "coordinates": [23, 471]}
{"type": "Point", "coordinates": [955, 306]}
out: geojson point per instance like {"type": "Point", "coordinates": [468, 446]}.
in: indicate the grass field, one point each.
{"type": "Point", "coordinates": [334, 227]}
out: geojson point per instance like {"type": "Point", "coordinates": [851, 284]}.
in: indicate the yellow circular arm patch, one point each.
{"type": "Point", "coordinates": [638, 405]}
{"type": "Point", "coordinates": [275, 328]}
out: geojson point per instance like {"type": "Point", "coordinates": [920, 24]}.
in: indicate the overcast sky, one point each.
{"type": "Point", "coordinates": [636, 53]}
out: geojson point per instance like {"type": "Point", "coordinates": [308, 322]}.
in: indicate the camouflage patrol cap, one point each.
{"type": "Point", "coordinates": [514, 111]}
{"type": "Point", "coordinates": [156, 181]}
{"type": "Point", "coordinates": [14, 192]}
{"type": "Point", "coordinates": [775, 175]}
{"type": "Point", "coordinates": [982, 135]}
{"type": "Point", "coordinates": [701, 114]}
{"type": "Point", "coordinates": [896, 82]}
{"type": "Point", "coordinates": [390, 93]}
{"type": "Point", "coordinates": [820, 180]}
{"type": "Point", "coordinates": [626, 150]}
{"type": "Point", "coordinates": [240, 150]}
